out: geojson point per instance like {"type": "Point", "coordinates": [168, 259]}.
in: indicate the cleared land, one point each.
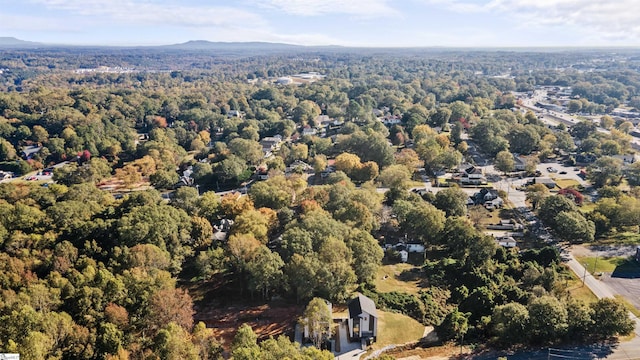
{"type": "Point", "coordinates": [578, 291]}
{"type": "Point", "coordinates": [618, 264]}
{"type": "Point", "coordinates": [396, 328]}
{"type": "Point", "coordinates": [565, 183]}
{"type": "Point", "coordinates": [398, 277]}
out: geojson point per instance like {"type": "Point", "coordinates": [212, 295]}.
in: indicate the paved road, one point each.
{"type": "Point", "coordinates": [556, 117]}
{"type": "Point", "coordinates": [629, 350]}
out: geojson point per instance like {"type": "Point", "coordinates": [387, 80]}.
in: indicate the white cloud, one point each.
{"type": "Point", "coordinates": [146, 12]}
{"type": "Point", "coordinates": [602, 20]}
{"type": "Point", "coordinates": [356, 8]}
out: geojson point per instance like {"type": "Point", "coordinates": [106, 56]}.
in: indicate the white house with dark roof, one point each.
{"type": "Point", "coordinates": [363, 318]}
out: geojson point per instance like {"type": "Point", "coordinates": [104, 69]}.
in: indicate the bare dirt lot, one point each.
{"type": "Point", "coordinates": [272, 319]}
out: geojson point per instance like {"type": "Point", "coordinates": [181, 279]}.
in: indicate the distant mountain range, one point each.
{"type": "Point", "coordinates": [11, 42]}
{"type": "Point", "coordinates": [210, 45]}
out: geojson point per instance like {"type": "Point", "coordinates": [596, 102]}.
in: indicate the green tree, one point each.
{"type": "Point", "coordinates": [110, 338]}
{"type": "Point", "coordinates": [552, 206]}
{"type": "Point", "coordinates": [367, 255]}
{"type": "Point", "coordinates": [174, 343]}
{"type": "Point", "coordinates": [504, 162]}
{"type": "Point", "coordinates": [248, 150]}
{"type": "Point", "coordinates": [453, 201]}
{"type": "Point", "coordinates": [605, 171]}
{"type": "Point", "coordinates": [572, 226]}
{"type": "Point", "coordinates": [610, 318]}
{"type": "Point", "coordinates": [306, 112]}
{"type": "Point", "coordinates": [336, 276]}
{"type": "Point", "coordinates": [276, 193]}
{"type": "Point", "coordinates": [395, 177]}
{"type": "Point", "coordinates": [606, 122]}
{"type": "Point", "coordinates": [523, 139]}
{"type": "Point", "coordinates": [186, 198]}
{"type": "Point", "coordinates": [265, 271]}
{"type": "Point", "coordinates": [301, 272]}
{"type": "Point", "coordinates": [201, 232]}
{"type": "Point", "coordinates": [252, 222]}
{"type": "Point", "coordinates": [208, 346]}
{"type": "Point", "coordinates": [7, 151]}
{"type": "Point", "coordinates": [317, 319]}
{"type": "Point", "coordinates": [233, 168]}
{"type": "Point", "coordinates": [420, 220]}
{"type": "Point", "coordinates": [536, 193]}
{"type": "Point", "coordinates": [548, 319]}
{"type": "Point", "coordinates": [163, 179]}
{"type": "Point", "coordinates": [245, 344]}
{"type": "Point", "coordinates": [454, 326]}
{"type": "Point", "coordinates": [580, 320]}
{"type": "Point", "coordinates": [511, 323]}
{"type": "Point", "coordinates": [574, 106]}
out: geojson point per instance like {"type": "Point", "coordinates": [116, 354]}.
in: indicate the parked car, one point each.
{"type": "Point", "coordinates": [551, 170]}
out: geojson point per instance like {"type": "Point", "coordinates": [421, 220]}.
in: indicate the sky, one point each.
{"type": "Point", "coordinates": [377, 23]}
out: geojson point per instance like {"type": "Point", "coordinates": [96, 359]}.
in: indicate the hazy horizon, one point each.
{"type": "Point", "coordinates": [354, 23]}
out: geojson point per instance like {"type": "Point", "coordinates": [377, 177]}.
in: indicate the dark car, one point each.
{"type": "Point", "coordinates": [563, 172]}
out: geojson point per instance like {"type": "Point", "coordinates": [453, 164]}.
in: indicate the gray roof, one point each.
{"type": "Point", "coordinates": [362, 304]}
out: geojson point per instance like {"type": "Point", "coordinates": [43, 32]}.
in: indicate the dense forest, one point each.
{"type": "Point", "coordinates": [87, 273]}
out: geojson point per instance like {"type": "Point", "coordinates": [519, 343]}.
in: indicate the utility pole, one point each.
{"type": "Point", "coordinates": [585, 274]}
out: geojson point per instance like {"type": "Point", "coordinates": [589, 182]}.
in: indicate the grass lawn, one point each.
{"type": "Point", "coordinates": [397, 329]}
{"type": "Point", "coordinates": [603, 264]}
{"type": "Point", "coordinates": [578, 291]}
{"type": "Point", "coordinates": [389, 278]}
{"type": "Point", "coordinates": [565, 183]}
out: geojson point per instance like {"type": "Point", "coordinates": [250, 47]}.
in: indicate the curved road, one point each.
{"type": "Point", "coordinates": [629, 350]}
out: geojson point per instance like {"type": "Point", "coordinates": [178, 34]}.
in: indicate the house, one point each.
{"type": "Point", "coordinates": [262, 174]}
{"type": "Point", "coordinates": [285, 80]}
{"type": "Point", "coordinates": [473, 179]}
{"type": "Point", "coordinates": [485, 194]}
{"type": "Point", "coordinates": [496, 203]}
{"type": "Point", "coordinates": [520, 163]}
{"type": "Point", "coordinates": [413, 247]}
{"type": "Point", "coordinates": [470, 169]}
{"type": "Point", "coordinates": [271, 143]}
{"type": "Point", "coordinates": [509, 224]}
{"type": "Point", "coordinates": [308, 130]}
{"type": "Point", "coordinates": [507, 241]}
{"type": "Point", "coordinates": [5, 175]}
{"type": "Point", "coordinates": [404, 255]}
{"type": "Point", "coordinates": [392, 120]}
{"type": "Point", "coordinates": [235, 113]}
{"type": "Point", "coordinates": [299, 166]}
{"type": "Point", "coordinates": [363, 319]}
{"type": "Point", "coordinates": [28, 151]}
{"type": "Point", "coordinates": [225, 225]}
{"type": "Point", "coordinates": [548, 182]}
{"type": "Point", "coordinates": [627, 159]}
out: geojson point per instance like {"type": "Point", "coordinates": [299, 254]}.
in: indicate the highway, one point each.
{"type": "Point", "coordinates": [554, 117]}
